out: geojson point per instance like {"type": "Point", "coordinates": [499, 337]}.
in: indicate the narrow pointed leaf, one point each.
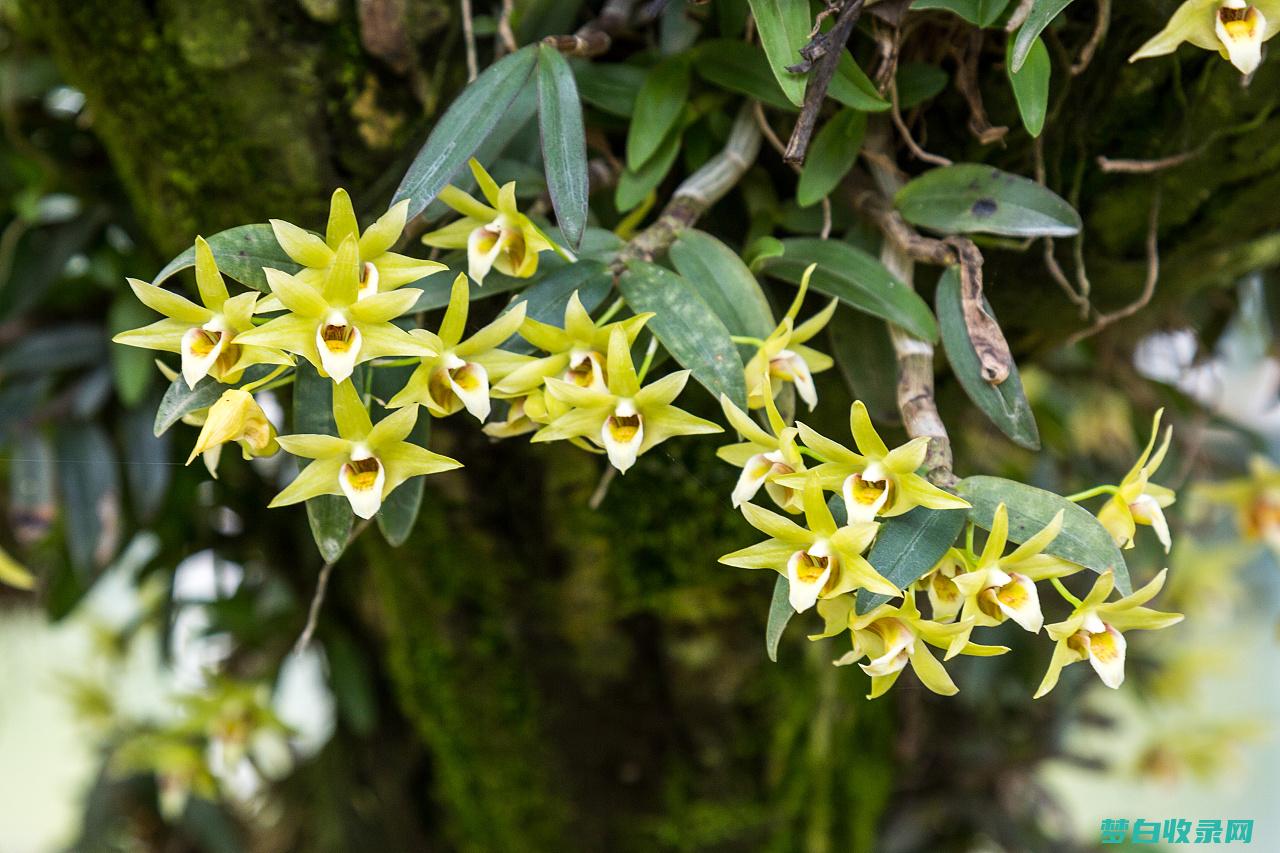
{"type": "Point", "coordinates": [742, 68]}
{"type": "Point", "coordinates": [687, 327]}
{"type": "Point", "coordinates": [1031, 86]}
{"type": "Point", "coordinates": [1005, 404]}
{"type": "Point", "coordinates": [241, 253]}
{"type": "Point", "coordinates": [725, 282]}
{"type": "Point", "coordinates": [857, 279]}
{"type": "Point", "coordinates": [564, 142]}
{"type": "Point", "coordinates": [972, 198]}
{"type": "Point", "coordinates": [633, 186]}
{"type": "Point", "coordinates": [547, 299]}
{"type": "Point", "coordinates": [1042, 14]}
{"type": "Point", "coordinates": [834, 151]}
{"type": "Point", "coordinates": [852, 87]}
{"type": "Point", "coordinates": [1082, 540]}
{"type": "Point", "coordinates": [399, 511]}
{"type": "Point", "coordinates": [780, 613]}
{"type": "Point", "coordinates": [464, 126]}
{"type": "Point", "coordinates": [784, 27]}
{"type": "Point", "coordinates": [909, 545]}
{"type": "Point", "coordinates": [659, 105]}
{"type": "Point", "coordinates": [330, 516]}
{"type": "Point", "coordinates": [610, 87]}
{"type": "Point", "coordinates": [180, 400]}
{"type": "Point", "coordinates": [981, 13]}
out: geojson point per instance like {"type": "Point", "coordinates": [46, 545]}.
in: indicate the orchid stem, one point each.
{"type": "Point", "coordinates": [968, 538]}
{"type": "Point", "coordinates": [648, 359]}
{"type": "Point", "coordinates": [807, 452]}
{"type": "Point", "coordinates": [745, 339]}
{"type": "Point", "coordinates": [611, 311]}
{"type": "Point", "coordinates": [1062, 590]}
{"type": "Point", "coordinates": [253, 386]}
{"type": "Point", "coordinates": [1093, 493]}
{"type": "Point", "coordinates": [399, 362]}
{"type": "Point", "coordinates": [279, 383]}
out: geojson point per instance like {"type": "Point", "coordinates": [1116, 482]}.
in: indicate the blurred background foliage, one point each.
{"type": "Point", "coordinates": [526, 673]}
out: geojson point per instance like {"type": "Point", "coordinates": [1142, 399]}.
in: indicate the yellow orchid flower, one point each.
{"type": "Point", "coordinates": [380, 269]}
{"type": "Point", "coordinates": [496, 235]}
{"type": "Point", "coordinates": [1139, 501]}
{"type": "Point", "coordinates": [208, 336]}
{"type": "Point", "coordinates": [365, 461]}
{"type": "Point", "coordinates": [459, 374]}
{"type": "Point", "coordinates": [1255, 499]}
{"type": "Point", "coordinates": [763, 457]}
{"type": "Point", "coordinates": [891, 637]}
{"type": "Point", "coordinates": [1234, 28]}
{"type": "Point", "coordinates": [524, 415]}
{"type": "Point", "coordinates": [237, 417]}
{"type": "Point", "coordinates": [819, 562]}
{"type": "Point", "coordinates": [625, 419]}
{"type": "Point", "coordinates": [332, 326]}
{"type": "Point", "coordinates": [876, 481]}
{"type": "Point", "coordinates": [1003, 586]}
{"type": "Point", "coordinates": [945, 598]}
{"type": "Point", "coordinates": [1093, 631]}
{"type": "Point", "coordinates": [576, 353]}
{"type": "Point", "coordinates": [783, 355]}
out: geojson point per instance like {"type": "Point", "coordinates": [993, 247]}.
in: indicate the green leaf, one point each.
{"type": "Point", "coordinates": [1031, 85]}
{"type": "Point", "coordinates": [724, 281]}
{"type": "Point", "coordinates": [1042, 14]}
{"type": "Point", "coordinates": [1082, 540]}
{"type": "Point", "coordinates": [241, 253]}
{"type": "Point", "coordinates": [564, 142]}
{"type": "Point", "coordinates": [459, 132]}
{"type": "Point", "coordinates": [548, 298]}
{"type": "Point", "coordinates": [857, 279]}
{"type": "Point", "coordinates": [972, 198]}
{"type": "Point", "coordinates": [780, 613]}
{"type": "Point", "coordinates": [1005, 404]}
{"type": "Point", "coordinates": [909, 545]}
{"type": "Point", "coordinates": [147, 457]}
{"type": "Point", "coordinates": [610, 87]}
{"type": "Point", "coordinates": [659, 105]}
{"type": "Point", "coordinates": [634, 186]}
{"type": "Point", "coordinates": [180, 400]}
{"type": "Point", "coordinates": [917, 82]}
{"type": "Point", "coordinates": [784, 27]}
{"type": "Point", "coordinates": [981, 13]}
{"type": "Point", "coordinates": [853, 88]}
{"type": "Point", "coordinates": [739, 67]}
{"type": "Point", "coordinates": [65, 347]}
{"type": "Point", "coordinates": [132, 367]}
{"type": "Point", "coordinates": [399, 511]}
{"type": "Point", "coordinates": [835, 150]}
{"type": "Point", "coordinates": [863, 351]}
{"type": "Point", "coordinates": [687, 327]}
{"type": "Point", "coordinates": [330, 516]}
{"type": "Point", "coordinates": [90, 489]}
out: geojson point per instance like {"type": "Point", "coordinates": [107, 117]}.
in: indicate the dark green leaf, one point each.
{"type": "Point", "coordinates": [1031, 85]}
{"type": "Point", "coordinates": [834, 151]}
{"type": "Point", "coordinates": [659, 106]}
{"type": "Point", "coordinates": [687, 327]}
{"type": "Point", "coordinates": [917, 82]}
{"type": "Point", "coordinates": [981, 13]}
{"type": "Point", "coordinates": [72, 345]}
{"type": "Point", "coordinates": [241, 253]}
{"type": "Point", "coordinates": [857, 279]}
{"type": "Point", "coordinates": [564, 142]}
{"type": "Point", "coordinates": [399, 511]}
{"type": "Point", "coordinates": [147, 457]}
{"type": "Point", "coordinates": [90, 487]}
{"type": "Point", "coordinates": [972, 198]}
{"type": "Point", "coordinates": [863, 351]}
{"type": "Point", "coordinates": [784, 27]}
{"type": "Point", "coordinates": [634, 186]}
{"type": "Point", "coordinates": [459, 132]}
{"type": "Point", "coordinates": [740, 67]}
{"type": "Point", "coordinates": [548, 298]}
{"type": "Point", "coordinates": [1082, 540]}
{"type": "Point", "coordinates": [132, 367]}
{"type": "Point", "coordinates": [724, 281]}
{"type": "Point", "coordinates": [330, 515]}
{"type": "Point", "coordinates": [609, 86]}
{"type": "Point", "coordinates": [1042, 14]}
{"type": "Point", "coordinates": [853, 88]}
{"type": "Point", "coordinates": [179, 400]}
{"type": "Point", "coordinates": [1005, 404]}
{"type": "Point", "coordinates": [780, 613]}
{"type": "Point", "coordinates": [909, 545]}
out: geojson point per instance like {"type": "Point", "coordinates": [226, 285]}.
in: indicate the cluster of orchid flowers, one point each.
{"type": "Point", "coordinates": [340, 310]}
{"type": "Point", "coordinates": [825, 563]}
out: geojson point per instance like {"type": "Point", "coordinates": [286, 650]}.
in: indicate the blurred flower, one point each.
{"type": "Point", "coordinates": [1139, 501]}
{"type": "Point", "coordinates": [458, 376]}
{"type": "Point", "coordinates": [822, 561]}
{"type": "Point", "coordinates": [237, 417]}
{"type": "Point", "coordinates": [875, 481]}
{"type": "Point", "coordinates": [496, 235]}
{"type": "Point", "coordinates": [380, 270]}
{"type": "Point", "coordinates": [209, 336]}
{"type": "Point", "coordinates": [1255, 500]}
{"type": "Point", "coordinates": [365, 462]}
{"type": "Point", "coordinates": [784, 357]}
{"type": "Point", "coordinates": [625, 419]}
{"type": "Point", "coordinates": [332, 326]}
{"type": "Point", "coordinates": [1093, 631]}
{"type": "Point", "coordinates": [763, 457]}
{"type": "Point", "coordinates": [1234, 28]}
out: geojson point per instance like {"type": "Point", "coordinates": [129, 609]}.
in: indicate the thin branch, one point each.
{"type": "Point", "coordinates": [1100, 26]}
{"type": "Point", "coordinates": [824, 53]}
{"type": "Point", "coordinates": [1148, 287]}
{"type": "Point", "coordinates": [1147, 167]}
{"type": "Point", "coordinates": [967, 82]}
{"type": "Point", "coordinates": [905, 132]}
{"type": "Point", "coordinates": [322, 588]}
{"type": "Point", "coordinates": [507, 36]}
{"type": "Point", "coordinates": [1019, 16]}
{"type": "Point", "coordinates": [469, 37]}
{"type": "Point", "coordinates": [1079, 297]}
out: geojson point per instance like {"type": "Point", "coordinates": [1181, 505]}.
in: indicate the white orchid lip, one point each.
{"type": "Point", "coordinates": [1105, 650]}
{"type": "Point", "coordinates": [339, 345]}
{"type": "Point", "coordinates": [362, 480]}
{"type": "Point", "coordinates": [866, 494]}
{"type": "Point", "coordinates": [586, 370]}
{"type": "Point", "coordinates": [1018, 600]}
{"type": "Point", "coordinates": [899, 641]}
{"type": "Point", "coordinates": [1241, 28]}
{"type": "Point", "coordinates": [1146, 510]}
{"type": "Point", "coordinates": [622, 435]}
{"type": "Point", "coordinates": [944, 596]}
{"type": "Point", "coordinates": [368, 281]}
{"type": "Point", "coordinates": [201, 347]}
{"type": "Point", "coordinates": [790, 367]}
{"type": "Point", "coordinates": [808, 572]}
{"type": "Point", "coordinates": [756, 473]}
{"type": "Point", "coordinates": [469, 382]}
